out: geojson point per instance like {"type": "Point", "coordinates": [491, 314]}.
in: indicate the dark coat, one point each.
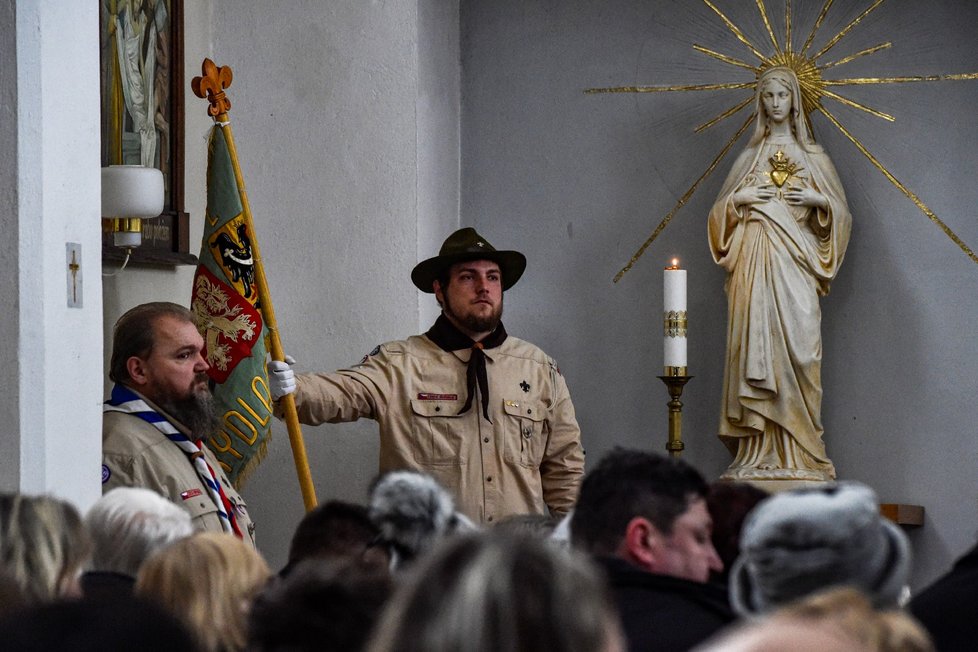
{"type": "Point", "coordinates": [665, 613]}
{"type": "Point", "coordinates": [105, 586]}
{"type": "Point", "coordinates": [947, 607]}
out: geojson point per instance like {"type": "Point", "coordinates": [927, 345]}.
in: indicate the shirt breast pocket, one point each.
{"type": "Point", "coordinates": [438, 432]}
{"type": "Point", "coordinates": [524, 430]}
{"type": "Point", "coordinates": [202, 509]}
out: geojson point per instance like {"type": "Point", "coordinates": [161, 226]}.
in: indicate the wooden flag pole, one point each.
{"type": "Point", "coordinates": [212, 84]}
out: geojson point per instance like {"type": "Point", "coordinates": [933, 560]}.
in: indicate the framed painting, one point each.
{"type": "Point", "coordinates": [142, 115]}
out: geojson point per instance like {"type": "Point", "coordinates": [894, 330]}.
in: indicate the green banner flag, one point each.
{"type": "Point", "coordinates": [228, 315]}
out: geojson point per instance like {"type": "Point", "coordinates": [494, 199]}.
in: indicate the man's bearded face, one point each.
{"type": "Point", "coordinates": [473, 297]}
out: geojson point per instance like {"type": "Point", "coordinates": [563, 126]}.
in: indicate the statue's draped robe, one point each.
{"type": "Point", "coordinates": [779, 259]}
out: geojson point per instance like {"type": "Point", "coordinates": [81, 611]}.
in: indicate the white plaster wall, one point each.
{"type": "Point", "coordinates": [58, 348]}
{"type": "Point", "coordinates": [579, 181]}
{"type": "Point", "coordinates": [9, 224]}
{"type": "Point", "coordinates": [438, 115]}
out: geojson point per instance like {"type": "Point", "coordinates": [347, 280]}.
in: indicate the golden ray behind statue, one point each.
{"type": "Point", "coordinates": [815, 88]}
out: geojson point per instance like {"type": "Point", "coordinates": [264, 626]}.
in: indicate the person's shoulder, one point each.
{"type": "Point", "coordinates": [380, 351]}
{"type": "Point", "coordinates": [699, 596]}
{"type": "Point", "coordinates": [121, 426]}
{"type": "Point", "coordinates": [414, 345]}
{"type": "Point", "coordinates": [959, 586]}
{"type": "Point", "coordinates": [397, 350]}
{"type": "Point", "coordinates": [124, 433]}
{"type": "Point", "coordinates": [518, 347]}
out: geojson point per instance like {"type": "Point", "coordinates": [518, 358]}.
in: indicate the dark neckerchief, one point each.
{"type": "Point", "coordinates": [449, 338]}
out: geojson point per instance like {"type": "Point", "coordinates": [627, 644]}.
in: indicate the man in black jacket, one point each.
{"type": "Point", "coordinates": [947, 607]}
{"type": "Point", "coordinates": [643, 517]}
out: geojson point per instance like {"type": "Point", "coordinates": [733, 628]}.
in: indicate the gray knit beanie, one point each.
{"type": "Point", "coordinates": [798, 542]}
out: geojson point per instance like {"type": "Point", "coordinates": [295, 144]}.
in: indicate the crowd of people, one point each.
{"type": "Point", "coordinates": [635, 566]}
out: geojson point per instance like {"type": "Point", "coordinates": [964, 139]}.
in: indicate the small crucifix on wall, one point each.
{"type": "Point", "coordinates": [73, 259]}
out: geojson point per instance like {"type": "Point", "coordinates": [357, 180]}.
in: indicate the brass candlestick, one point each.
{"type": "Point", "coordinates": [675, 379]}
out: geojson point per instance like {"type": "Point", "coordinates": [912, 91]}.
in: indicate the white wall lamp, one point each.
{"type": "Point", "coordinates": [130, 194]}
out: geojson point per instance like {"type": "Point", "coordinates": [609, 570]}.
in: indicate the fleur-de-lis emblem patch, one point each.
{"type": "Point", "coordinates": [525, 386]}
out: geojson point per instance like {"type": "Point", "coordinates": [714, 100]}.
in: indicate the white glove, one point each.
{"type": "Point", "coordinates": [281, 378]}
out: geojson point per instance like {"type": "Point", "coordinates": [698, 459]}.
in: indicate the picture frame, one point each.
{"type": "Point", "coordinates": [142, 95]}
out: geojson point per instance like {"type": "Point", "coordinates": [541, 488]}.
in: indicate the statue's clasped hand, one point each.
{"type": "Point", "coordinates": [805, 197]}
{"type": "Point", "coordinates": [754, 195]}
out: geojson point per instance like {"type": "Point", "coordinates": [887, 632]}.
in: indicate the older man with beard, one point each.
{"type": "Point", "coordinates": [486, 414]}
{"type": "Point", "coordinates": [160, 411]}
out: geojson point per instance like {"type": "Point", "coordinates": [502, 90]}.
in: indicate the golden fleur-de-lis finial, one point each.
{"type": "Point", "coordinates": [215, 79]}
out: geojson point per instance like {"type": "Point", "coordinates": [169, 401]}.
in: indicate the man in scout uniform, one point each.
{"type": "Point", "coordinates": [486, 414]}
{"type": "Point", "coordinates": [160, 411]}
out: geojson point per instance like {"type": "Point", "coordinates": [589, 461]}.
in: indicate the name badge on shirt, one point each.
{"type": "Point", "coordinates": [427, 396]}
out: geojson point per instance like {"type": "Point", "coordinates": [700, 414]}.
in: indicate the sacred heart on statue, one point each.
{"type": "Point", "coordinates": [782, 168]}
{"type": "Point", "coordinates": [779, 177]}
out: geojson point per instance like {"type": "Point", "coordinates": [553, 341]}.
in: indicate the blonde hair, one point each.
{"type": "Point", "coordinates": [846, 609]}
{"type": "Point", "coordinates": [43, 545]}
{"type": "Point", "coordinates": [207, 580]}
{"type": "Point", "coordinates": [836, 619]}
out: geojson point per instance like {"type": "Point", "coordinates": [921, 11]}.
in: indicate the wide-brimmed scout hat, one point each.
{"type": "Point", "coordinates": [466, 244]}
{"type": "Point", "coordinates": [799, 542]}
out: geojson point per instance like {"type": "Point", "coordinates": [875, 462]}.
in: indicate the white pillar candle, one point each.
{"type": "Point", "coordinates": [674, 316]}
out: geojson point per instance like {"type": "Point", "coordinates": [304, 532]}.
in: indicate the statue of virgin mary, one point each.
{"type": "Point", "coordinates": [779, 227]}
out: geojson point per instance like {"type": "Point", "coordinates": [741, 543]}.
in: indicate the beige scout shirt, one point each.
{"type": "Point", "coordinates": [135, 454]}
{"type": "Point", "coordinates": [527, 460]}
